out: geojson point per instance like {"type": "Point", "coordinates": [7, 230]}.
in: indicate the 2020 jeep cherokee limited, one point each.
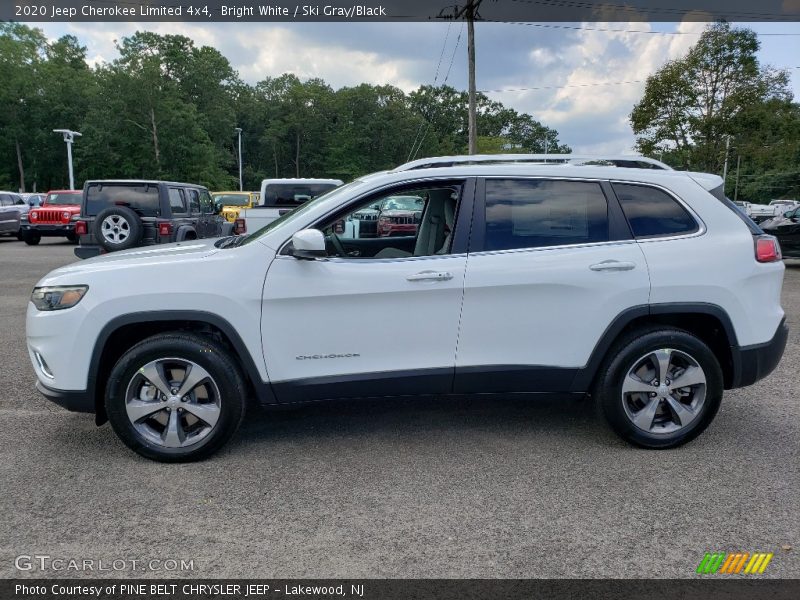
{"type": "Point", "coordinates": [643, 288]}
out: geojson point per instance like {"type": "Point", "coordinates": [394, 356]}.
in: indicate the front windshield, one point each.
{"type": "Point", "coordinates": [232, 199]}
{"type": "Point", "coordinates": [298, 212]}
{"type": "Point", "coordinates": [63, 199]}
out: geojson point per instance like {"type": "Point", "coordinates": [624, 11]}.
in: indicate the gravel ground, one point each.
{"type": "Point", "coordinates": [400, 488]}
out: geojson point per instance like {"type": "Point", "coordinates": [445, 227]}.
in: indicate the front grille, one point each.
{"type": "Point", "coordinates": [369, 217]}
{"type": "Point", "coordinates": [48, 216]}
{"type": "Point", "coordinates": [402, 220]}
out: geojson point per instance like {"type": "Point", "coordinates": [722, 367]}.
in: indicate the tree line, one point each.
{"type": "Point", "coordinates": [719, 102]}
{"type": "Point", "coordinates": [167, 109]}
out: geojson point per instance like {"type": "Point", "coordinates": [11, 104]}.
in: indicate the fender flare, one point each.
{"type": "Point", "coordinates": [585, 376]}
{"type": "Point", "coordinates": [262, 389]}
{"type": "Point", "coordinates": [183, 230]}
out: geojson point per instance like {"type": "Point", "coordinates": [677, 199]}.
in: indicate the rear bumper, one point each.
{"type": "Point", "coordinates": [753, 363]}
{"type": "Point", "coordinates": [75, 401]}
{"type": "Point", "coordinates": [88, 251]}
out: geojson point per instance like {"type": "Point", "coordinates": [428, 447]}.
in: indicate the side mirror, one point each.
{"type": "Point", "coordinates": [788, 214]}
{"type": "Point", "coordinates": [308, 244]}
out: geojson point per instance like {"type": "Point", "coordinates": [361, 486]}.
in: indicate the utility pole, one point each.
{"type": "Point", "coordinates": [238, 130]}
{"type": "Point", "coordinates": [725, 168]}
{"type": "Point", "coordinates": [69, 137]}
{"type": "Point", "coordinates": [736, 188]}
{"type": "Point", "coordinates": [473, 131]}
{"type": "Point", "coordinates": [469, 11]}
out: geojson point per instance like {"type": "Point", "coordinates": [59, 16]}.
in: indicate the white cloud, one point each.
{"type": "Point", "coordinates": [560, 62]}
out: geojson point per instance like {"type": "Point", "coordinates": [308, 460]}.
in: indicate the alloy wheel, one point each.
{"type": "Point", "coordinates": [173, 402]}
{"type": "Point", "coordinates": [664, 391]}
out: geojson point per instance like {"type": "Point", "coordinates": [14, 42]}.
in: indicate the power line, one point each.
{"type": "Point", "coordinates": [610, 30]}
{"type": "Point", "coordinates": [446, 77]}
{"type": "Point", "coordinates": [576, 85]}
{"type": "Point", "coordinates": [435, 78]}
{"type": "Point", "coordinates": [730, 16]}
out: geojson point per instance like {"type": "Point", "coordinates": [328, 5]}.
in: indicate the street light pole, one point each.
{"type": "Point", "coordinates": [69, 137]}
{"type": "Point", "coordinates": [238, 130]}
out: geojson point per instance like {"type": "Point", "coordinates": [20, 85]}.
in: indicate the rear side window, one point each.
{"type": "Point", "coordinates": [539, 213]}
{"type": "Point", "coordinates": [652, 212]}
{"type": "Point", "coordinates": [177, 202]}
{"type": "Point", "coordinates": [141, 197]}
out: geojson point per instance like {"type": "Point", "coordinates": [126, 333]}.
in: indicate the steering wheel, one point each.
{"type": "Point", "coordinates": [337, 244]}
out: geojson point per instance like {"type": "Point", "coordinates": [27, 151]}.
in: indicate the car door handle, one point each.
{"type": "Point", "coordinates": [430, 276]}
{"type": "Point", "coordinates": [613, 265]}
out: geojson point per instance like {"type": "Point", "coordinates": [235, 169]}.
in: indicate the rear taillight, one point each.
{"type": "Point", "coordinates": [239, 226]}
{"type": "Point", "coordinates": [165, 229]}
{"type": "Point", "coordinates": [767, 249]}
{"type": "Point", "coordinates": [81, 228]}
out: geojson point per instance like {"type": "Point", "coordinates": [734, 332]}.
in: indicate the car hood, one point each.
{"type": "Point", "coordinates": [160, 254]}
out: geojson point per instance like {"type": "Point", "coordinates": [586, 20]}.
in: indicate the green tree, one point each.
{"type": "Point", "coordinates": [691, 105]}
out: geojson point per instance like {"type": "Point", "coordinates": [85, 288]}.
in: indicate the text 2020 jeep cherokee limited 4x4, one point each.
{"type": "Point", "coordinates": [644, 288]}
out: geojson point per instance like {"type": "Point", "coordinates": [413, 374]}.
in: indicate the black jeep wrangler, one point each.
{"type": "Point", "coordinates": [123, 214]}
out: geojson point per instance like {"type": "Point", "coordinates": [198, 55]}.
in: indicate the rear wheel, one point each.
{"type": "Point", "coordinates": [660, 388]}
{"type": "Point", "coordinates": [175, 397]}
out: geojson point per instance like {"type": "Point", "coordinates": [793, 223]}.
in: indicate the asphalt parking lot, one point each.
{"type": "Point", "coordinates": [401, 488]}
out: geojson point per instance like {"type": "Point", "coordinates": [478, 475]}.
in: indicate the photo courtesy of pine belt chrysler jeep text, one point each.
{"type": "Point", "coordinates": [644, 288]}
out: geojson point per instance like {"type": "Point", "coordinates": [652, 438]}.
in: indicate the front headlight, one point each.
{"type": "Point", "coordinates": [58, 297]}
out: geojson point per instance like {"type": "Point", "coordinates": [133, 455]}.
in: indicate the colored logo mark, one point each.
{"type": "Point", "coordinates": [734, 563]}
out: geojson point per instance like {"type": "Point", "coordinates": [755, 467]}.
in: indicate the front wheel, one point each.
{"type": "Point", "coordinates": [175, 397]}
{"type": "Point", "coordinates": [31, 238]}
{"type": "Point", "coordinates": [660, 388]}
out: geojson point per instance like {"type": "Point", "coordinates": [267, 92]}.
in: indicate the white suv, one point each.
{"type": "Point", "coordinates": [642, 287]}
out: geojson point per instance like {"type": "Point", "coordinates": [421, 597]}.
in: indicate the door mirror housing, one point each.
{"type": "Point", "coordinates": [308, 244]}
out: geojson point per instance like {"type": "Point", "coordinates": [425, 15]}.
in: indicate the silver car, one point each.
{"type": "Point", "coordinates": [12, 207]}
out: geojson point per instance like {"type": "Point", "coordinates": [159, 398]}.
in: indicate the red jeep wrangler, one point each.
{"type": "Point", "coordinates": [53, 218]}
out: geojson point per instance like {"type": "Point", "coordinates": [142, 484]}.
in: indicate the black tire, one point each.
{"type": "Point", "coordinates": [20, 236]}
{"type": "Point", "coordinates": [31, 238]}
{"type": "Point", "coordinates": [127, 223]}
{"type": "Point", "coordinates": [71, 237]}
{"type": "Point", "coordinates": [629, 352]}
{"type": "Point", "coordinates": [125, 379]}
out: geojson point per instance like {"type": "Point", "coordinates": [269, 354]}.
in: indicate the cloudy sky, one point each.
{"type": "Point", "coordinates": [572, 77]}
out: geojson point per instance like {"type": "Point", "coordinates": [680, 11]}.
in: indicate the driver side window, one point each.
{"type": "Point", "coordinates": [399, 224]}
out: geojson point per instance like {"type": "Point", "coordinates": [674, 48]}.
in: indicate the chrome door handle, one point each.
{"type": "Point", "coordinates": [430, 276]}
{"type": "Point", "coordinates": [613, 265]}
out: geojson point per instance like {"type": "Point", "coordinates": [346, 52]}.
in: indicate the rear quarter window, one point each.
{"type": "Point", "coordinates": [652, 212]}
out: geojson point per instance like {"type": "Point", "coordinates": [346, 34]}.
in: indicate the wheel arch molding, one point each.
{"type": "Point", "coordinates": [709, 322]}
{"type": "Point", "coordinates": [122, 332]}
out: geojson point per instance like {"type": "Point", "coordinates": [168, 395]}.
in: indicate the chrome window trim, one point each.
{"type": "Point", "coordinates": [701, 225]}
{"type": "Point", "coordinates": [560, 247]}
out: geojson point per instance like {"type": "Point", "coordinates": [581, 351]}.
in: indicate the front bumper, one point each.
{"type": "Point", "coordinates": [48, 229]}
{"type": "Point", "coordinates": [753, 363]}
{"type": "Point", "coordinates": [75, 401]}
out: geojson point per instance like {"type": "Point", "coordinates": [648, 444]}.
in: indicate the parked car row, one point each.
{"type": "Point", "coordinates": [764, 212]}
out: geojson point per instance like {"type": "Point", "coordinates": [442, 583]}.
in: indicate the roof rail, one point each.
{"type": "Point", "coordinates": [634, 161]}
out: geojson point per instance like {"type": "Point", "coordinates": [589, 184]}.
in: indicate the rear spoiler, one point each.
{"type": "Point", "coordinates": [715, 186]}
{"type": "Point", "coordinates": [707, 181]}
